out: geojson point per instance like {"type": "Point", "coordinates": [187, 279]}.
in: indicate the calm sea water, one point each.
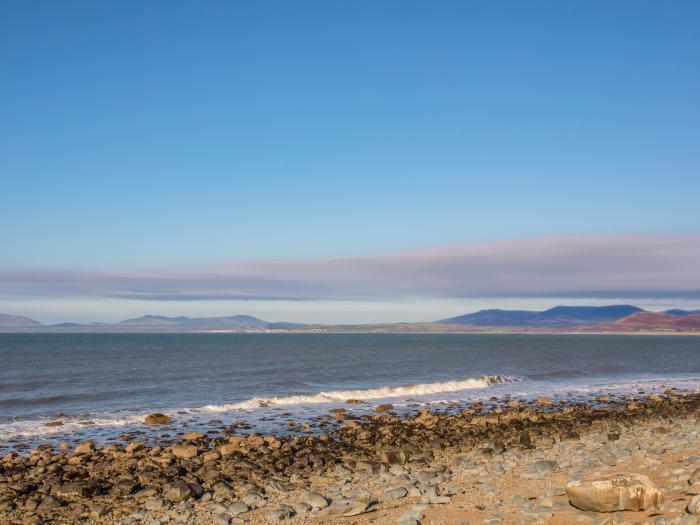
{"type": "Point", "coordinates": [101, 385]}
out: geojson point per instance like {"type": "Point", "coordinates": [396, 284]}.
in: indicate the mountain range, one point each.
{"type": "Point", "coordinates": [622, 317]}
{"type": "Point", "coordinates": [154, 322]}
{"type": "Point", "coordinates": [557, 317]}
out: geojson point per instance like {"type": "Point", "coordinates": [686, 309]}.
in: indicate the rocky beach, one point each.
{"type": "Point", "coordinates": [615, 460]}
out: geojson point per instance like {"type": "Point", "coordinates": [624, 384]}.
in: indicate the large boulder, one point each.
{"type": "Point", "coordinates": [694, 505]}
{"type": "Point", "coordinates": [614, 493]}
{"type": "Point", "coordinates": [158, 419]}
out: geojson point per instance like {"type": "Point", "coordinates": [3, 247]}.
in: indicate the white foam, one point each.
{"type": "Point", "coordinates": [386, 392]}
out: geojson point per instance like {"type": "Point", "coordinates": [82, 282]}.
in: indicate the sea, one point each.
{"type": "Point", "coordinates": [101, 386]}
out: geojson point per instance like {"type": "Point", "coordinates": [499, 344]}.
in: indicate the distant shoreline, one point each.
{"type": "Point", "coordinates": [331, 330]}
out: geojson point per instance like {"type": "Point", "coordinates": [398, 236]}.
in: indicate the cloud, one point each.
{"type": "Point", "coordinates": [584, 266]}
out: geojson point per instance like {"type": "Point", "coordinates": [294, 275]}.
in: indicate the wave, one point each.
{"type": "Point", "coordinates": [341, 396]}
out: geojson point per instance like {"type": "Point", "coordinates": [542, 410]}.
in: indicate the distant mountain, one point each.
{"type": "Point", "coordinates": [678, 311]}
{"type": "Point", "coordinates": [17, 321]}
{"type": "Point", "coordinates": [658, 321]}
{"type": "Point", "coordinates": [233, 321]}
{"type": "Point", "coordinates": [557, 317]}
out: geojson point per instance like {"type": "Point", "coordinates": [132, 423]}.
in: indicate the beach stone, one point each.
{"type": "Point", "coordinates": [694, 477]}
{"type": "Point", "coordinates": [134, 447]}
{"type": "Point", "coordinates": [254, 499]}
{"type": "Point", "coordinates": [237, 508]}
{"type": "Point", "coordinates": [393, 494]}
{"type": "Point", "coordinates": [154, 504]}
{"type": "Point", "coordinates": [158, 419]}
{"type": "Point", "coordinates": [184, 451]}
{"type": "Point", "coordinates": [302, 508]}
{"type": "Point", "coordinates": [544, 401]}
{"type": "Point", "coordinates": [282, 512]}
{"type": "Point", "coordinates": [48, 504]}
{"type": "Point", "coordinates": [193, 436]}
{"type": "Point", "coordinates": [386, 407]}
{"type": "Point", "coordinates": [85, 448]}
{"type": "Point", "coordinates": [694, 505]}
{"type": "Point", "coordinates": [412, 517]}
{"type": "Point", "coordinates": [614, 493]}
{"type": "Point", "coordinates": [222, 519]}
{"type": "Point", "coordinates": [314, 499]}
{"type": "Point", "coordinates": [178, 491]}
{"type": "Point", "coordinates": [346, 507]}
{"type": "Point", "coordinates": [396, 457]}
{"type": "Point", "coordinates": [228, 449]}
{"type": "Point", "coordinates": [545, 466]}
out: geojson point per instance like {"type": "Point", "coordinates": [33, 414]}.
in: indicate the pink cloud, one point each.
{"type": "Point", "coordinates": [585, 266]}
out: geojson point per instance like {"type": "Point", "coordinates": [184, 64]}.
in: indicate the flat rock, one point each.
{"type": "Point", "coordinates": [394, 494]}
{"type": "Point", "coordinates": [184, 451]}
{"type": "Point", "coordinates": [314, 499]}
{"type": "Point", "coordinates": [346, 507]}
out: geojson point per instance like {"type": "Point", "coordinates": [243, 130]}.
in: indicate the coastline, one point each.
{"type": "Point", "coordinates": [475, 464]}
{"type": "Point", "coordinates": [331, 330]}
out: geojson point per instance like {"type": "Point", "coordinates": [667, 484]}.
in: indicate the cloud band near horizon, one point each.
{"type": "Point", "coordinates": [584, 266]}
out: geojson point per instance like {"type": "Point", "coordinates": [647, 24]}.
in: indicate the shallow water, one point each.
{"type": "Point", "coordinates": [101, 385]}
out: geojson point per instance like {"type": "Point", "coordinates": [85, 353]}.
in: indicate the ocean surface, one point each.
{"type": "Point", "coordinates": [102, 385]}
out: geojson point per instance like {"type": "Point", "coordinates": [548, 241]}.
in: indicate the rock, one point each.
{"type": "Point", "coordinates": [544, 401]}
{"type": "Point", "coordinates": [85, 448]}
{"type": "Point", "coordinates": [238, 508]}
{"type": "Point", "coordinates": [212, 455]}
{"type": "Point", "coordinates": [97, 512]}
{"type": "Point", "coordinates": [412, 517]}
{"type": "Point", "coordinates": [545, 466]}
{"type": "Point", "coordinates": [228, 449]}
{"type": "Point", "coordinates": [158, 419]}
{"type": "Point", "coordinates": [314, 499]}
{"type": "Point", "coordinates": [354, 401]}
{"type": "Point", "coordinates": [254, 499]}
{"type": "Point", "coordinates": [48, 504]}
{"type": "Point", "coordinates": [54, 424]}
{"type": "Point", "coordinates": [282, 512]}
{"type": "Point", "coordinates": [694, 477]}
{"type": "Point", "coordinates": [131, 448]}
{"type": "Point", "coordinates": [154, 504]}
{"type": "Point", "coordinates": [184, 451]}
{"type": "Point", "coordinates": [178, 491]}
{"type": "Point", "coordinates": [430, 495]}
{"type": "Point", "coordinates": [222, 519]}
{"type": "Point", "coordinates": [694, 505]}
{"type": "Point", "coordinates": [346, 507]}
{"type": "Point", "coordinates": [614, 493]}
{"type": "Point", "coordinates": [386, 407]}
{"type": "Point", "coordinates": [570, 436]}
{"type": "Point", "coordinates": [393, 494]}
{"type": "Point", "coordinates": [396, 457]}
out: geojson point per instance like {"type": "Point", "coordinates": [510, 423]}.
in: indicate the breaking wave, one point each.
{"type": "Point", "coordinates": [341, 396]}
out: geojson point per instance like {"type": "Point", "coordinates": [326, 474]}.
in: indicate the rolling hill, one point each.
{"type": "Point", "coordinates": [17, 321]}
{"type": "Point", "coordinates": [557, 317]}
{"type": "Point", "coordinates": [657, 321]}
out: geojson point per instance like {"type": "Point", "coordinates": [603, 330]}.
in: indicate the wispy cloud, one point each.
{"type": "Point", "coordinates": [608, 266]}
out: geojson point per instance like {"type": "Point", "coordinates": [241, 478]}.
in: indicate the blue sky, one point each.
{"type": "Point", "coordinates": [177, 135]}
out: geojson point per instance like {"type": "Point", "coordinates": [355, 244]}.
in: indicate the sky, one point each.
{"type": "Point", "coordinates": [346, 161]}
